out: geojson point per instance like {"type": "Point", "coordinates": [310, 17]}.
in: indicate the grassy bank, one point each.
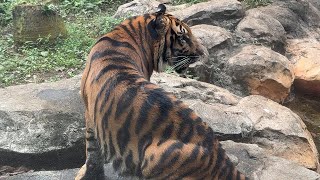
{"type": "Point", "coordinates": [44, 61]}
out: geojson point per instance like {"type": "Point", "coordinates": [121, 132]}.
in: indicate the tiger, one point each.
{"type": "Point", "coordinates": [143, 130]}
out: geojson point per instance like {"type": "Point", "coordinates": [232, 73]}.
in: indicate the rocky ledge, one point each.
{"type": "Point", "coordinates": [42, 128]}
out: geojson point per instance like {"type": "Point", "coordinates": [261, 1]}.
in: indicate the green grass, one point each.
{"type": "Point", "coordinates": [43, 61]}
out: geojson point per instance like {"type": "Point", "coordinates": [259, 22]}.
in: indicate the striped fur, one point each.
{"type": "Point", "coordinates": [143, 130]}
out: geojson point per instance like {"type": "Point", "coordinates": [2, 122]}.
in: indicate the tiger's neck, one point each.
{"type": "Point", "coordinates": [138, 44]}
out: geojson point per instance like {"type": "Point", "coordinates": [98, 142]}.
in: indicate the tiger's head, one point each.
{"type": "Point", "coordinates": [178, 47]}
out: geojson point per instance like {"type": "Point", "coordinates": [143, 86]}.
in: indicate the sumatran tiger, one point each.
{"type": "Point", "coordinates": [143, 130]}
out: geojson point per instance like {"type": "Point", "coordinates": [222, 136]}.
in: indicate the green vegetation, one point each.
{"type": "Point", "coordinates": [256, 3]}
{"type": "Point", "coordinates": [42, 61]}
{"type": "Point", "coordinates": [85, 20]}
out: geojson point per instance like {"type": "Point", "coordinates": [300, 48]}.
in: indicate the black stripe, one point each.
{"type": "Point", "coordinates": [166, 134]}
{"type": "Point", "coordinates": [108, 52]}
{"type": "Point", "coordinates": [169, 151]}
{"type": "Point", "coordinates": [91, 138]}
{"type": "Point", "coordinates": [230, 168]}
{"type": "Point", "coordinates": [219, 161]}
{"type": "Point", "coordinates": [151, 29]}
{"type": "Point", "coordinates": [145, 60]}
{"type": "Point", "coordinates": [209, 139]}
{"type": "Point", "coordinates": [132, 27]}
{"type": "Point", "coordinates": [131, 167]}
{"type": "Point", "coordinates": [125, 100]}
{"type": "Point", "coordinates": [123, 134]}
{"type": "Point", "coordinates": [116, 43]}
{"type": "Point", "coordinates": [154, 96]}
{"type": "Point", "coordinates": [111, 67]}
{"type": "Point", "coordinates": [111, 146]}
{"type": "Point", "coordinates": [238, 175]}
{"type": "Point", "coordinates": [89, 149]}
{"type": "Point", "coordinates": [173, 160]}
{"type": "Point", "coordinates": [118, 79]}
{"type": "Point", "coordinates": [223, 170]}
{"type": "Point", "coordinates": [105, 119]}
{"type": "Point", "coordinates": [143, 143]}
{"type": "Point", "coordinates": [185, 125]}
{"type": "Point", "coordinates": [116, 164]}
{"type": "Point", "coordinates": [164, 52]}
{"type": "Point", "coordinates": [189, 172]}
{"type": "Point", "coordinates": [200, 129]}
{"type": "Point", "coordinates": [161, 165]}
{"type": "Point", "coordinates": [125, 28]}
{"type": "Point", "coordinates": [165, 106]}
{"type": "Point", "coordinates": [193, 156]}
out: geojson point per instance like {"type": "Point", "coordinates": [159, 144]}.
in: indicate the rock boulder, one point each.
{"type": "Point", "coordinates": [262, 71]}
{"type": "Point", "coordinates": [305, 55]}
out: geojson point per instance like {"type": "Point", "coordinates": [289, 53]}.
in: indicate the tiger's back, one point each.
{"type": "Point", "coordinates": [143, 130]}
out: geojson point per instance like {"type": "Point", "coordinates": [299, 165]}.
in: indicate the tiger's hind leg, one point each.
{"type": "Point", "coordinates": [176, 160]}
{"type": "Point", "coordinates": [93, 168]}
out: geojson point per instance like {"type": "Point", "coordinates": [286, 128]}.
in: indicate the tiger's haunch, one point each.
{"type": "Point", "coordinates": [143, 130]}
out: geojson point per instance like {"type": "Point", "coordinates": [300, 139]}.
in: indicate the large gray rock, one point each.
{"type": "Point", "coordinates": [138, 7]}
{"type": "Point", "coordinates": [255, 120]}
{"type": "Point", "coordinates": [68, 174]}
{"type": "Point", "coordinates": [44, 119]}
{"type": "Point", "coordinates": [249, 158]}
{"type": "Point", "coordinates": [258, 27]}
{"type": "Point", "coordinates": [305, 53]}
{"type": "Point", "coordinates": [262, 71]}
{"type": "Point", "coordinates": [290, 21]}
{"type": "Point", "coordinates": [252, 158]}
{"type": "Point", "coordinates": [224, 13]}
{"type": "Point", "coordinates": [306, 9]}
{"type": "Point", "coordinates": [218, 42]}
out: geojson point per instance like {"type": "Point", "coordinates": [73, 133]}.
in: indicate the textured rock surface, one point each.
{"type": "Point", "coordinates": [251, 158]}
{"type": "Point", "coordinates": [253, 119]}
{"type": "Point", "coordinates": [262, 28]}
{"type": "Point", "coordinates": [290, 21]}
{"type": "Point", "coordinates": [64, 175]}
{"type": "Point", "coordinates": [211, 36]}
{"type": "Point", "coordinates": [138, 7]}
{"type": "Point", "coordinates": [218, 41]}
{"type": "Point", "coordinates": [305, 55]}
{"type": "Point", "coordinates": [31, 23]}
{"type": "Point", "coordinates": [264, 72]}
{"type": "Point", "coordinates": [224, 13]}
{"type": "Point", "coordinates": [41, 119]}
{"type": "Point", "coordinates": [279, 131]}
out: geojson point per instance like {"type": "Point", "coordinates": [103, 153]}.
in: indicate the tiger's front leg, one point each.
{"type": "Point", "coordinates": [93, 168]}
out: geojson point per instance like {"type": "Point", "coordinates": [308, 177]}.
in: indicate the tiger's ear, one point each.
{"type": "Point", "coordinates": [157, 25]}
{"type": "Point", "coordinates": [161, 9]}
{"type": "Point", "coordinates": [159, 21]}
